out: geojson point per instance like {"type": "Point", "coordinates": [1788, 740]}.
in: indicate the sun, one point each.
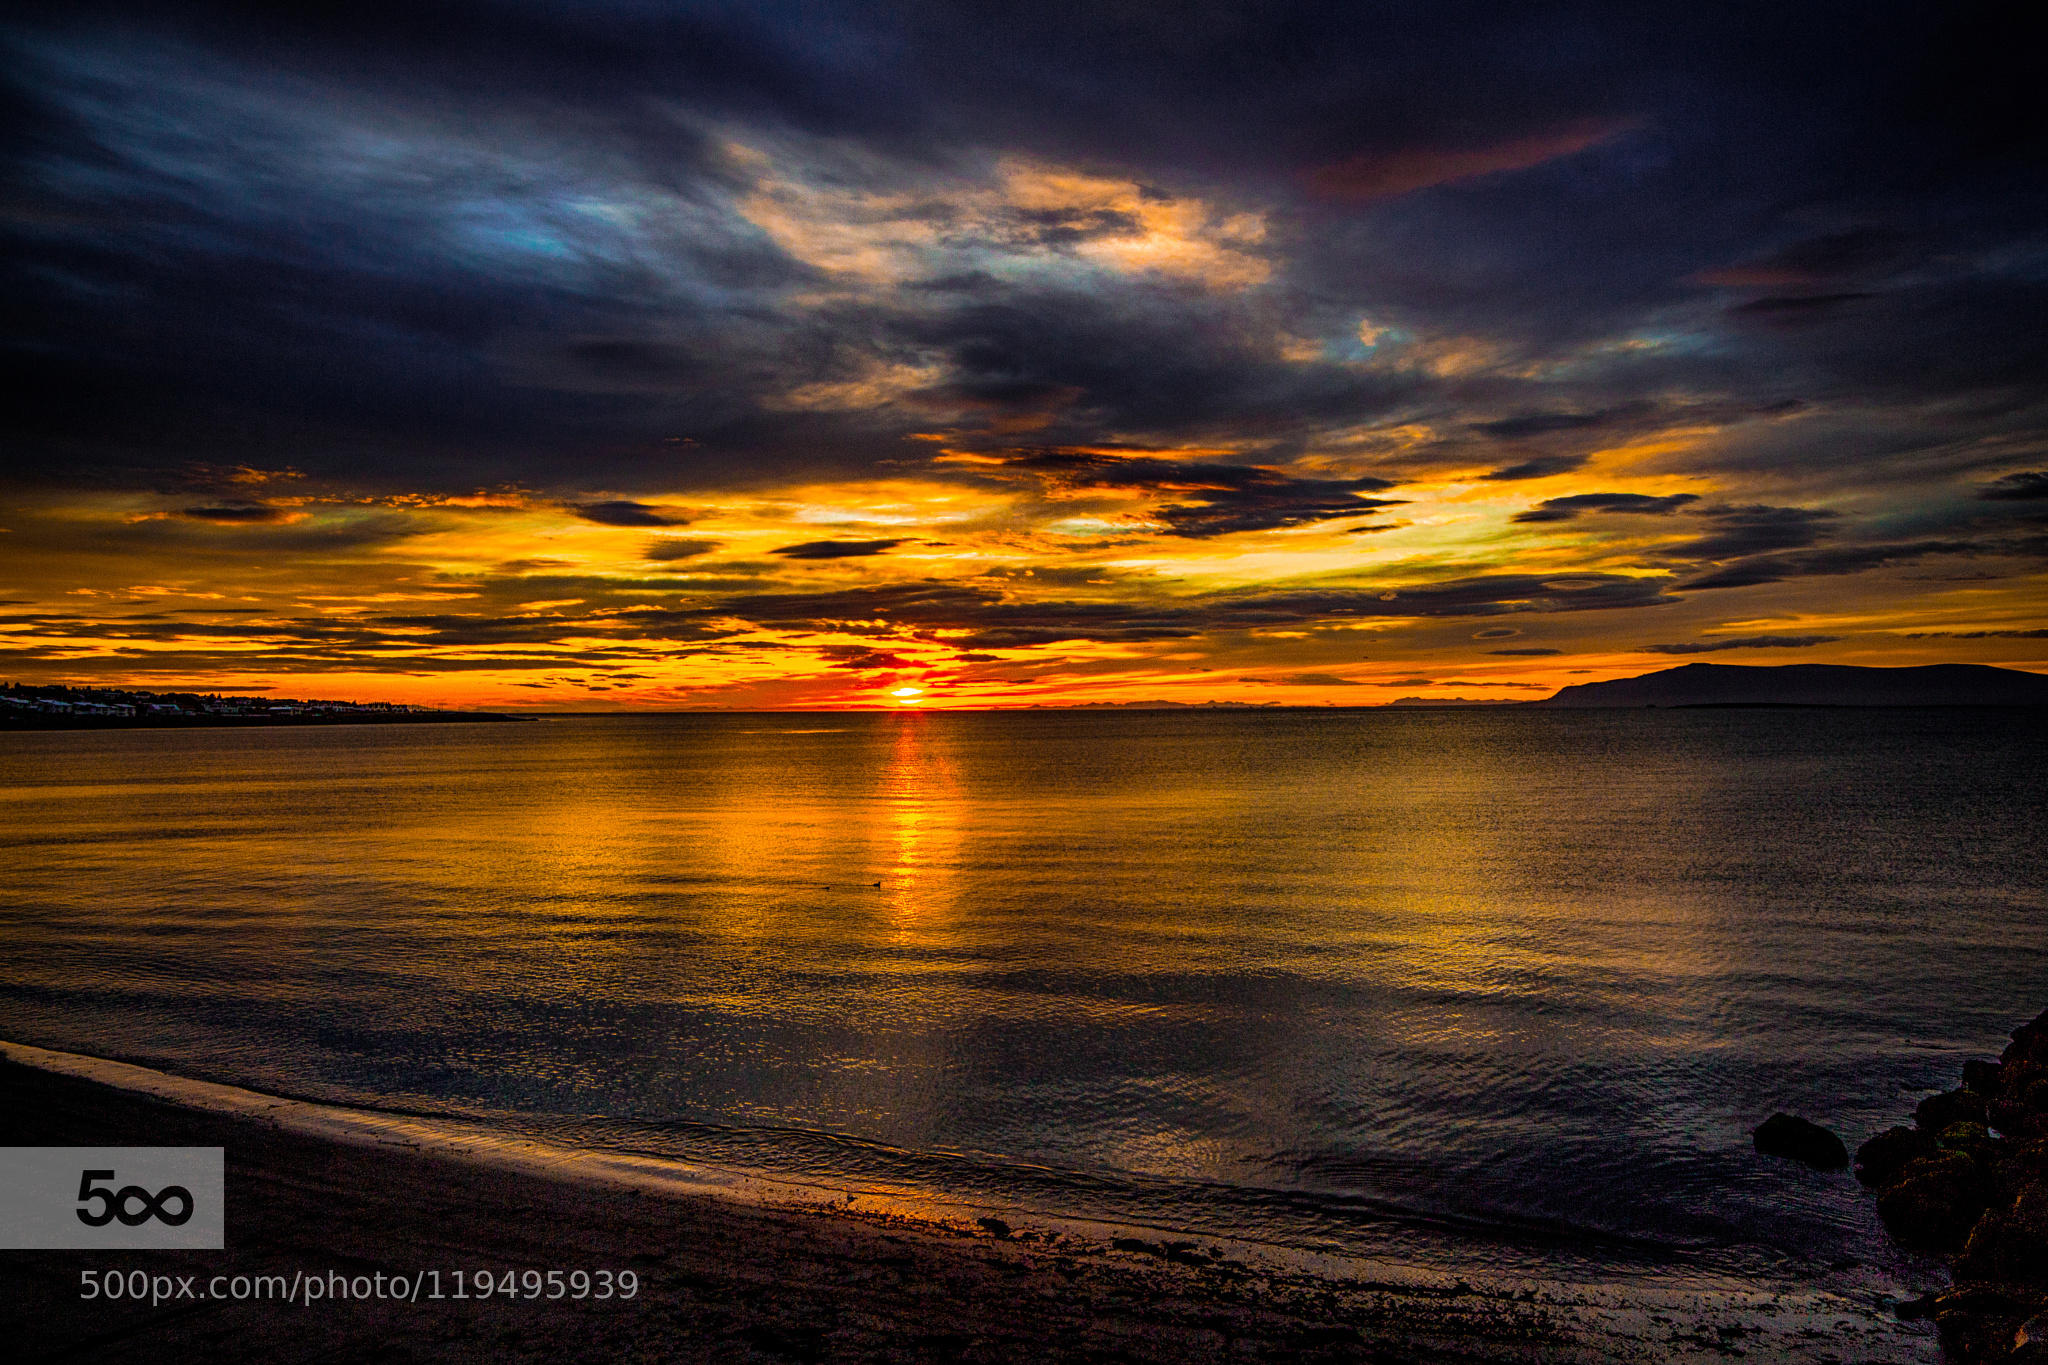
{"type": "Point", "coordinates": [906, 696]}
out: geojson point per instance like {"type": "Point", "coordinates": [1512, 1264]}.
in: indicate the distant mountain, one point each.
{"type": "Point", "coordinates": [1813, 685]}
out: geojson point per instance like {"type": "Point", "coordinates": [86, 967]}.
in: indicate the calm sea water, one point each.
{"type": "Point", "coordinates": [1484, 988]}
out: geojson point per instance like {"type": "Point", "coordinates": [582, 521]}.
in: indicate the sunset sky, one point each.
{"type": "Point", "coordinates": [628, 354]}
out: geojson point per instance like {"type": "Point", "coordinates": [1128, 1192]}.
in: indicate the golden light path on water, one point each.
{"type": "Point", "coordinates": [1353, 980]}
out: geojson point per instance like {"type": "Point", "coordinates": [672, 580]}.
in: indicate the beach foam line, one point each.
{"type": "Point", "coordinates": [461, 1140]}
{"type": "Point", "coordinates": [1775, 1322]}
{"type": "Point", "coordinates": [473, 1143]}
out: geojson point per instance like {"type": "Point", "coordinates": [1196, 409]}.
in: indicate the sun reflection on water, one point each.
{"type": "Point", "coordinates": [920, 791]}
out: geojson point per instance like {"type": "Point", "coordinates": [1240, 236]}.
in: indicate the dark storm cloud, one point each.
{"type": "Point", "coordinates": [408, 247]}
{"type": "Point", "coordinates": [1978, 635]}
{"type": "Point", "coordinates": [2025, 486]}
{"type": "Point", "coordinates": [1741, 642]}
{"type": "Point", "coordinates": [623, 513]}
{"type": "Point", "coordinates": [669, 548]}
{"type": "Point", "coordinates": [1569, 508]}
{"type": "Point", "coordinates": [1816, 262]}
{"type": "Point", "coordinates": [846, 656]}
{"type": "Point", "coordinates": [836, 549]}
{"type": "Point", "coordinates": [1203, 499]}
{"type": "Point", "coordinates": [1542, 467]}
{"type": "Point", "coordinates": [1755, 528]}
{"type": "Point", "coordinates": [1850, 559]}
{"type": "Point", "coordinates": [1794, 309]}
{"type": "Point", "coordinates": [237, 514]}
{"type": "Point", "coordinates": [1186, 365]}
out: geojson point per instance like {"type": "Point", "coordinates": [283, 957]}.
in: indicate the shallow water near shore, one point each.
{"type": "Point", "coordinates": [1494, 989]}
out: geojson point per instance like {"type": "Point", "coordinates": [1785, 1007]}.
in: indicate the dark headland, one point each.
{"type": "Point", "coordinates": [1813, 685]}
{"type": "Point", "coordinates": [57, 707]}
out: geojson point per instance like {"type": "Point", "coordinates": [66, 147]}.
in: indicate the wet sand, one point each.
{"type": "Point", "coordinates": [734, 1278]}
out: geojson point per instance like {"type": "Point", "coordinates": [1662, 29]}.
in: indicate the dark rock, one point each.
{"type": "Point", "coordinates": [1799, 1140]}
{"type": "Point", "coordinates": [2018, 1121]}
{"type": "Point", "coordinates": [1318, 1338]}
{"type": "Point", "coordinates": [1969, 1337]}
{"type": "Point", "coordinates": [1981, 1076]}
{"type": "Point", "coordinates": [1979, 1298]}
{"type": "Point", "coordinates": [2016, 1166]}
{"type": "Point", "coordinates": [1979, 1322]}
{"type": "Point", "coordinates": [1971, 1181]}
{"type": "Point", "coordinates": [1913, 1310]}
{"type": "Point", "coordinates": [1880, 1160]}
{"type": "Point", "coordinates": [2021, 1100]}
{"type": "Point", "coordinates": [2029, 1041]}
{"type": "Point", "coordinates": [1967, 1136]}
{"type": "Point", "coordinates": [1935, 1202]}
{"type": "Point", "coordinates": [995, 1227]}
{"type": "Point", "coordinates": [2010, 1245]}
{"type": "Point", "coordinates": [2030, 1342]}
{"type": "Point", "coordinates": [1937, 1112]}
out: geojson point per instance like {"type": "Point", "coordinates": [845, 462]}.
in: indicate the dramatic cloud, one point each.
{"type": "Point", "coordinates": [2039, 634]}
{"type": "Point", "coordinates": [675, 547]}
{"type": "Point", "coordinates": [1567, 508]}
{"type": "Point", "coordinates": [1198, 499]}
{"type": "Point", "coordinates": [625, 514]}
{"type": "Point", "coordinates": [2026, 486]}
{"type": "Point", "coordinates": [1742, 642]}
{"type": "Point", "coordinates": [835, 549]}
{"type": "Point", "coordinates": [1542, 467]}
{"type": "Point", "coordinates": [238, 514]}
{"type": "Point", "coordinates": [1744, 573]}
{"type": "Point", "coordinates": [1756, 528]}
{"type": "Point", "coordinates": [1035, 353]}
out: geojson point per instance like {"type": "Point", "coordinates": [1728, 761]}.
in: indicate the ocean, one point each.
{"type": "Point", "coordinates": [1500, 990]}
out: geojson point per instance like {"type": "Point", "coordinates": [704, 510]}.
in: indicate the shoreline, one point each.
{"type": "Point", "coordinates": [38, 725]}
{"type": "Point", "coordinates": [738, 1266]}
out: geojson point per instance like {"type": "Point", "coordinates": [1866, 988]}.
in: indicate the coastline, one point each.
{"type": "Point", "coordinates": [740, 1267]}
{"type": "Point", "coordinates": [31, 725]}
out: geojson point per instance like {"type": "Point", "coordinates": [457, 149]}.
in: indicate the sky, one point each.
{"type": "Point", "coordinates": [620, 354]}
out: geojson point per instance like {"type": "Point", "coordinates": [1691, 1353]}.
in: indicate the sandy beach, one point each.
{"type": "Point", "coordinates": [731, 1279]}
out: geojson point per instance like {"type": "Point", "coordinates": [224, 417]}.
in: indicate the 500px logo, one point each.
{"type": "Point", "coordinates": [115, 1203]}
{"type": "Point", "coordinates": [112, 1198]}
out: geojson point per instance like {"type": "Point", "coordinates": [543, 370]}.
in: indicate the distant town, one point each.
{"type": "Point", "coordinates": [54, 706]}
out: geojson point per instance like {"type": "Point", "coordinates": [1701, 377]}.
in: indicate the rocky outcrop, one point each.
{"type": "Point", "coordinates": [1970, 1180]}
{"type": "Point", "coordinates": [1800, 1140]}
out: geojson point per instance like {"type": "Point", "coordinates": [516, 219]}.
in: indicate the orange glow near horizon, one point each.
{"type": "Point", "coordinates": [993, 584]}
{"type": "Point", "coordinates": [1005, 592]}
